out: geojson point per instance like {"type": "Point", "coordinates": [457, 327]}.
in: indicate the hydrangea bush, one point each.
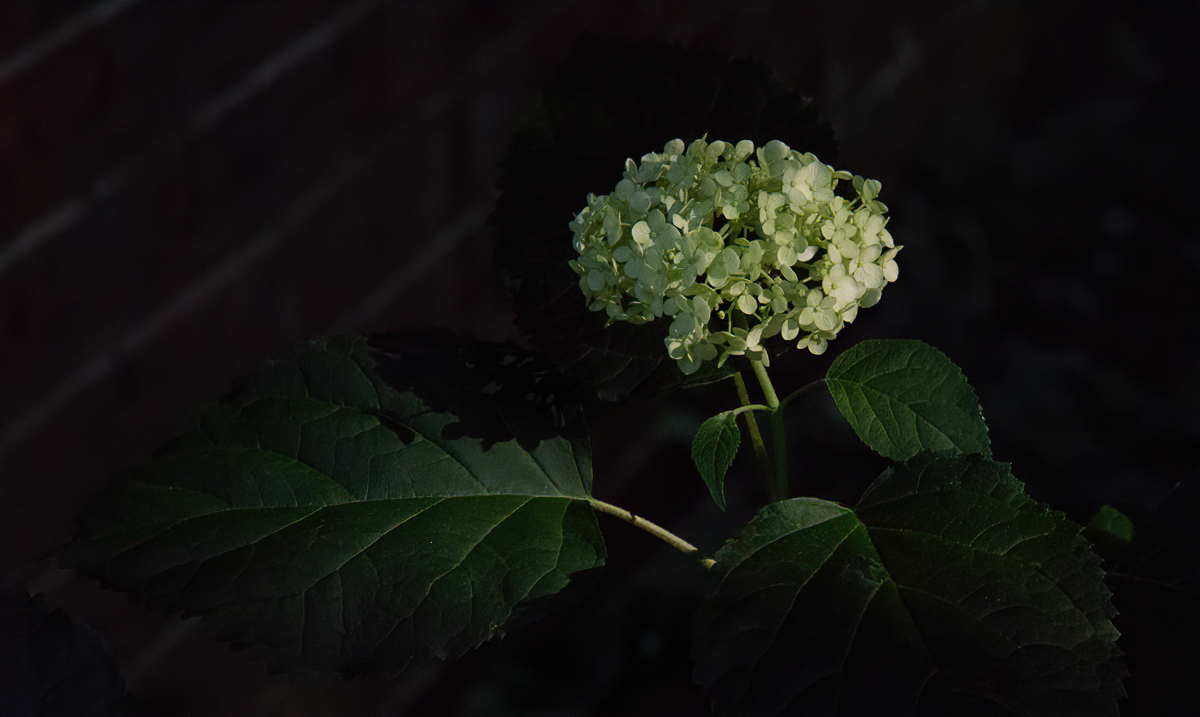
{"type": "Point", "coordinates": [736, 244]}
{"type": "Point", "coordinates": [366, 504]}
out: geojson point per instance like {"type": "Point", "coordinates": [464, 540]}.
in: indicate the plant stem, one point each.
{"type": "Point", "coordinates": [751, 407]}
{"type": "Point", "coordinates": [777, 478]}
{"type": "Point", "coordinates": [779, 488]}
{"type": "Point", "coordinates": [760, 450]}
{"type": "Point", "coordinates": [656, 530]}
{"type": "Point", "coordinates": [760, 372]}
{"type": "Point", "coordinates": [797, 392]}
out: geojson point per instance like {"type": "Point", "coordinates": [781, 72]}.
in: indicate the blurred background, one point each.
{"type": "Point", "coordinates": [187, 188]}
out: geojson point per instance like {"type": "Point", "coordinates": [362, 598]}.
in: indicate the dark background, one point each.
{"type": "Point", "coordinates": [187, 188]}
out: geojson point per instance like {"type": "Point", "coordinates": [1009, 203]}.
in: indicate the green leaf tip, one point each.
{"type": "Point", "coordinates": [903, 397]}
{"type": "Point", "coordinates": [713, 450]}
{"type": "Point", "coordinates": [327, 520]}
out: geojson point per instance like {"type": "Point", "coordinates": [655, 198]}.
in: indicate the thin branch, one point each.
{"type": "Point", "coordinates": [750, 407]}
{"type": "Point", "coordinates": [656, 530]}
{"type": "Point", "coordinates": [794, 394]}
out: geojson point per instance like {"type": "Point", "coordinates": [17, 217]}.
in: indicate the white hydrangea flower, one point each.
{"type": "Point", "coordinates": [735, 244]}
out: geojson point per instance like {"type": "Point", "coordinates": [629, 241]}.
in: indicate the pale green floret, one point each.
{"type": "Point", "coordinates": [735, 244]}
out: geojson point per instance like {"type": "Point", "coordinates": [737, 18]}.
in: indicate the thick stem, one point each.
{"type": "Point", "coordinates": [779, 487]}
{"type": "Point", "coordinates": [760, 372]}
{"type": "Point", "coordinates": [777, 478]}
{"type": "Point", "coordinates": [656, 530]}
{"type": "Point", "coordinates": [760, 449]}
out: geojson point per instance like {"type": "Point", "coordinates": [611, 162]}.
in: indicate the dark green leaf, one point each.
{"type": "Point", "coordinates": [614, 100]}
{"type": "Point", "coordinates": [904, 397]}
{"type": "Point", "coordinates": [947, 590]}
{"type": "Point", "coordinates": [51, 664]}
{"type": "Point", "coordinates": [713, 449]}
{"type": "Point", "coordinates": [323, 518]}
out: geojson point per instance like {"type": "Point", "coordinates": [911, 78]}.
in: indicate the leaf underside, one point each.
{"type": "Point", "coordinates": [320, 517]}
{"type": "Point", "coordinates": [947, 590]}
{"type": "Point", "coordinates": [904, 397]}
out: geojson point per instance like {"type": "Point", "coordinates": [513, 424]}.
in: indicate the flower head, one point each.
{"type": "Point", "coordinates": [736, 244]}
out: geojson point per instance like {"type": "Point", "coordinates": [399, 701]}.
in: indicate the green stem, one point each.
{"type": "Point", "coordinates": [760, 372]}
{"type": "Point", "coordinates": [777, 486]}
{"type": "Point", "coordinates": [794, 394]}
{"type": "Point", "coordinates": [656, 530]}
{"type": "Point", "coordinates": [760, 450]}
{"type": "Point", "coordinates": [751, 407]}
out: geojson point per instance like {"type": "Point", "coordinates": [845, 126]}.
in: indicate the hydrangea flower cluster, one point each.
{"type": "Point", "coordinates": [737, 244]}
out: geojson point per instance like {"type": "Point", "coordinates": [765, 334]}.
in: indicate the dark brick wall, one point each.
{"type": "Point", "coordinates": [189, 187]}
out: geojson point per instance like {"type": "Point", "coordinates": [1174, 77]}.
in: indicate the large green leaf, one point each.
{"type": "Point", "coordinates": [947, 590]}
{"type": "Point", "coordinates": [323, 517]}
{"type": "Point", "coordinates": [904, 397]}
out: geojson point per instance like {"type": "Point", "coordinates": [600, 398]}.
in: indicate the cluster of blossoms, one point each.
{"type": "Point", "coordinates": [737, 244]}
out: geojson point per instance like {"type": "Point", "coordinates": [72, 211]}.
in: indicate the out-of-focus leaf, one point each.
{"type": "Point", "coordinates": [322, 517]}
{"type": "Point", "coordinates": [52, 664]}
{"type": "Point", "coordinates": [947, 590]}
{"type": "Point", "coordinates": [496, 392]}
{"type": "Point", "coordinates": [1111, 523]}
{"type": "Point", "coordinates": [1155, 579]}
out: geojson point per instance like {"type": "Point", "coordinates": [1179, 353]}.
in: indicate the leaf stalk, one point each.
{"type": "Point", "coordinates": [656, 530]}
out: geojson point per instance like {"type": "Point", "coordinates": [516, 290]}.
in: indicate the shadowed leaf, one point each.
{"type": "Point", "coordinates": [322, 518]}
{"type": "Point", "coordinates": [947, 590]}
